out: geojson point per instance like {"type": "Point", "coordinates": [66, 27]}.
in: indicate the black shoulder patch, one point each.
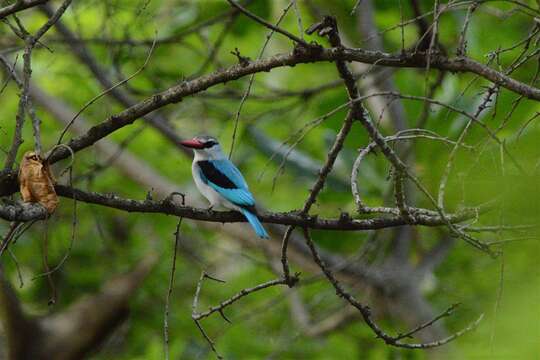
{"type": "Point", "coordinates": [215, 176]}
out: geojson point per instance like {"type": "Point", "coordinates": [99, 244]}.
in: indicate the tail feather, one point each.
{"type": "Point", "coordinates": [255, 224]}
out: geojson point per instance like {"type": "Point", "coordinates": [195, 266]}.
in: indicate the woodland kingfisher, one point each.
{"type": "Point", "coordinates": [220, 182]}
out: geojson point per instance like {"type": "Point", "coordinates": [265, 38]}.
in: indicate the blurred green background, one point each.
{"type": "Point", "coordinates": [109, 242]}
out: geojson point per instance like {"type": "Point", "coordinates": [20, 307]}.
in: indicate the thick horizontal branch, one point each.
{"type": "Point", "coordinates": [22, 212]}
{"type": "Point", "coordinates": [299, 56]}
{"type": "Point", "coordinates": [27, 212]}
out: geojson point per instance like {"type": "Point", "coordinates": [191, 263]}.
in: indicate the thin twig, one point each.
{"type": "Point", "coordinates": [365, 311]}
{"type": "Point", "coordinates": [169, 291]}
{"type": "Point", "coordinates": [45, 258]}
{"type": "Point", "coordinates": [203, 276]}
{"type": "Point", "coordinates": [105, 92]}
{"type": "Point", "coordinates": [244, 292]}
{"type": "Point", "coordinates": [252, 77]}
{"type": "Point", "coordinates": [267, 24]}
{"type": "Point", "coordinates": [462, 43]}
{"type": "Point", "coordinates": [73, 232]}
{"type": "Point", "coordinates": [444, 314]}
{"type": "Point", "coordinates": [30, 42]}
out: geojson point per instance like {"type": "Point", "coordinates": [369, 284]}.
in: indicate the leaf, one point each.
{"type": "Point", "coordinates": [36, 181]}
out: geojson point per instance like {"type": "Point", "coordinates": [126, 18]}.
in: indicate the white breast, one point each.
{"type": "Point", "coordinates": [210, 194]}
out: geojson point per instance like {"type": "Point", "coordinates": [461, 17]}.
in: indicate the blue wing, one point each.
{"type": "Point", "coordinates": [226, 179]}
{"type": "Point", "coordinates": [227, 168]}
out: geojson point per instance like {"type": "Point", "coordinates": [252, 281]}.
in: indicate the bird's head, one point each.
{"type": "Point", "coordinates": [205, 147]}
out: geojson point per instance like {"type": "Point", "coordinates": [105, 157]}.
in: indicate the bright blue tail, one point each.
{"type": "Point", "coordinates": [255, 224]}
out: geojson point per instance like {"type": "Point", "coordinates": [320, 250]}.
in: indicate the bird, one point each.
{"type": "Point", "coordinates": [220, 181]}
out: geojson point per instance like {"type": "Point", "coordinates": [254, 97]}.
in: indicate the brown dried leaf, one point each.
{"type": "Point", "coordinates": [36, 181]}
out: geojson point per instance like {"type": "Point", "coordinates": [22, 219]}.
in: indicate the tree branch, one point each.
{"type": "Point", "coordinates": [19, 5]}
{"type": "Point", "coordinates": [27, 212]}
{"type": "Point", "coordinates": [156, 120]}
{"type": "Point", "coordinates": [299, 56]}
{"type": "Point", "coordinates": [267, 24]}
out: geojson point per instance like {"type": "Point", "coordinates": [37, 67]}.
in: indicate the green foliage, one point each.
{"type": "Point", "coordinates": [109, 242]}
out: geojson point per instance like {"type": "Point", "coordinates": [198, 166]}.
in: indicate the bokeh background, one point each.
{"type": "Point", "coordinates": [269, 325]}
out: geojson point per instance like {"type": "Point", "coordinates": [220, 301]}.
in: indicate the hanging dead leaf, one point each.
{"type": "Point", "coordinates": [36, 181]}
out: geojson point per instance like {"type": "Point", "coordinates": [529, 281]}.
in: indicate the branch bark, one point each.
{"type": "Point", "coordinates": [27, 212]}
{"type": "Point", "coordinates": [299, 56]}
{"type": "Point", "coordinates": [19, 5]}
